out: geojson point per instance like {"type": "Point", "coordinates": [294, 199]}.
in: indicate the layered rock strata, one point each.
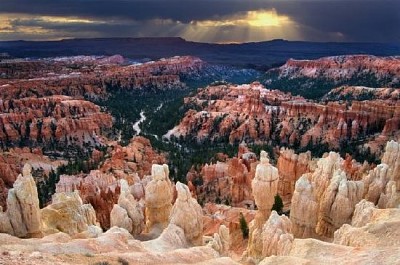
{"type": "Point", "coordinates": [265, 187]}
{"type": "Point", "coordinates": [158, 199]}
{"type": "Point", "coordinates": [23, 217]}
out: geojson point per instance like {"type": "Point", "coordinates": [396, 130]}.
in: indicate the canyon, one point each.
{"type": "Point", "coordinates": [248, 174]}
{"type": "Point", "coordinates": [253, 113]}
{"type": "Point", "coordinates": [329, 213]}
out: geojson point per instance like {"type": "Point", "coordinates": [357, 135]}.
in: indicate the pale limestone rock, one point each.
{"type": "Point", "coordinates": [158, 198]}
{"type": "Point", "coordinates": [382, 185]}
{"type": "Point", "coordinates": [119, 217]}
{"type": "Point", "coordinates": [391, 157]}
{"type": "Point", "coordinates": [22, 217]}
{"type": "Point", "coordinates": [337, 203]}
{"type": "Point", "coordinates": [391, 197]}
{"type": "Point", "coordinates": [68, 214]}
{"type": "Point", "coordinates": [323, 173]}
{"type": "Point", "coordinates": [362, 213]}
{"type": "Point", "coordinates": [265, 187]}
{"type": "Point", "coordinates": [137, 189]}
{"type": "Point", "coordinates": [371, 227]}
{"type": "Point", "coordinates": [276, 235]}
{"type": "Point", "coordinates": [221, 240]}
{"type": "Point", "coordinates": [315, 252]}
{"type": "Point", "coordinates": [187, 214]}
{"type": "Point", "coordinates": [324, 200]}
{"type": "Point", "coordinates": [5, 224]}
{"type": "Point", "coordinates": [127, 213]}
{"type": "Point", "coordinates": [172, 237]}
{"type": "Point", "coordinates": [304, 209]}
{"type": "Point", "coordinates": [375, 183]}
{"type": "Point", "coordinates": [265, 183]}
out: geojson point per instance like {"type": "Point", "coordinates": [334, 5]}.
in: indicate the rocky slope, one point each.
{"type": "Point", "coordinates": [88, 76]}
{"type": "Point", "coordinates": [338, 67]}
{"type": "Point", "coordinates": [226, 181]}
{"type": "Point", "coordinates": [253, 113]}
{"type": "Point", "coordinates": [67, 214]}
{"type": "Point", "coordinates": [291, 167]}
{"type": "Point", "coordinates": [313, 78]}
{"type": "Point", "coordinates": [326, 203]}
{"type": "Point", "coordinates": [46, 120]}
{"type": "Point", "coordinates": [101, 188]}
{"type": "Point", "coordinates": [361, 93]}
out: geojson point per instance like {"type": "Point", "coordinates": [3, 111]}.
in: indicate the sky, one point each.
{"type": "Point", "coordinates": [217, 21]}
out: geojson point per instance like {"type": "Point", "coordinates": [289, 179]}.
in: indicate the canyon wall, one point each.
{"type": "Point", "coordinates": [252, 113]}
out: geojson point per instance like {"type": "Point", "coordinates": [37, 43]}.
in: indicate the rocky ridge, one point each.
{"type": "Point", "coordinates": [252, 113]}
{"type": "Point", "coordinates": [86, 76]}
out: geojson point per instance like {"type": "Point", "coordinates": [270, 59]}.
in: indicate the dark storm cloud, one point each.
{"type": "Point", "coordinates": [319, 20]}
{"type": "Point", "coordinates": [182, 10]}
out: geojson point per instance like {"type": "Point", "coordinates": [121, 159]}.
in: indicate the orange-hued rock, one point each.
{"type": "Point", "coordinates": [11, 164]}
{"type": "Point", "coordinates": [101, 188]}
{"type": "Point", "coordinates": [341, 67]}
{"type": "Point", "coordinates": [216, 215]}
{"type": "Point", "coordinates": [88, 76]}
{"type": "Point", "coordinates": [362, 93]}
{"type": "Point", "coordinates": [227, 181]}
{"type": "Point", "coordinates": [135, 158]}
{"type": "Point", "coordinates": [354, 169]}
{"type": "Point", "coordinates": [291, 167]}
{"type": "Point", "coordinates": [254, 113]}
{"type": "Point", "coordinates": [325, 199]}
{"type": "Point", "coordinates": [51, 119]}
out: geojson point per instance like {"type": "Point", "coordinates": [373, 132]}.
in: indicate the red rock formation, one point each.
{"type": "Point", "coordinates": [291, 167]}
{"type": "Point", "coordinates": [355, 170]}
{"type": "Point", "coordinates": [341, 67]}
{"type": "Point", "coordinates": [216, 215]}
{"type": "Point", "coordinates": [55, 118]}
{"type": "Point", "coordinates": [226, 182]}
{"type": "Point", "coordinates": [135, 158]}
{"type": "Point", "coordinates": [100, 187]}
{"type": "Point", "coordinates": [251, 112]}
{"type": "Point", "coordinates": [88, 76]}
{"type": "Point", "coordinates": [362, 93]}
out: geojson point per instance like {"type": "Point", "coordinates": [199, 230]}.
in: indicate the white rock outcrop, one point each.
{"type": "Point", "coordinates": [158, 199]}
{"type": "Point", "coordinates": [22, 218]}
{"type": "Point", "coordinates": [264, 187]}
{"type": "Point", "coordinates": [324, 200]}
{"type": "Point", "coordinates": [127, 213]}
{"type": "Point", "coordinates": [221, 240]}
{"type": "Point", "coordinates": [276, 235]}
{"type": "Point", "coordinates": [188, 214]}
{"type": "Point", "coordinates": [68, 214]}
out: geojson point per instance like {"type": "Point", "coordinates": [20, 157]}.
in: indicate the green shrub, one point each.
{"type": "Point", "coordinates": [278, 205]}
{"type": "Point", "coordinates": [243, 226]}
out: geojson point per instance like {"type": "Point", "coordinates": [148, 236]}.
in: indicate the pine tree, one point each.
{"type": "Point", "coordinates": [278, 205]}
{"type": "Point", "coordinates": [243, 226]}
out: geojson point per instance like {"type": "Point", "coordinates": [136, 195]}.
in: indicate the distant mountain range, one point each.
{"type": "Point", "coordinates": [258, 55]}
